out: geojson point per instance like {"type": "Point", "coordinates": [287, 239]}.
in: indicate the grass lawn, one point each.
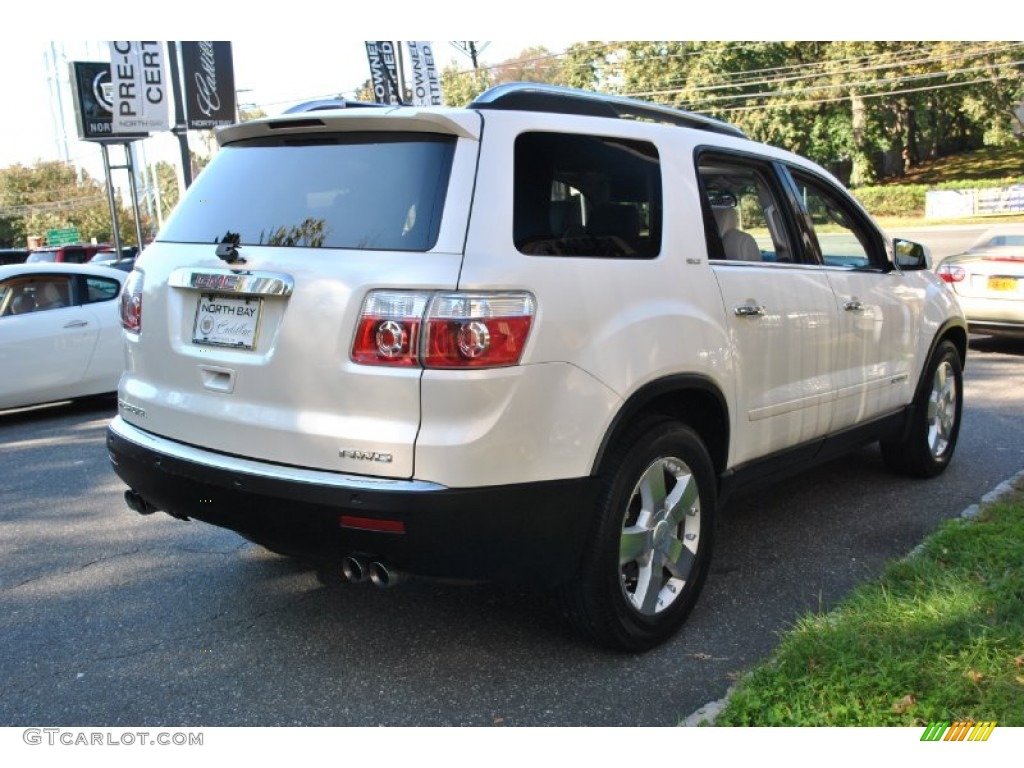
{"type": "Point", "coordinates": [939, 637]}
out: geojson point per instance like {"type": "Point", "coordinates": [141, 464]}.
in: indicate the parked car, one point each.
{"type": "Point", "coordinates": [76, 253]}
{"type": "Point", "coordinates": [531, 341]}
{"type": "Point", "coordinates": [60, 333]}
{"type": "Point", "coordinates": [989, 281]}
{"type": "Point", "coordinates": [13, 255]}
{"type": "Point", "coordinates": [126, 263]}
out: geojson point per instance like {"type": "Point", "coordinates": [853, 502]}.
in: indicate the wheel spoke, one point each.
{"type": "Point", "coordinates": [648, 587]}
{"type": "Point", "coordinates": [679, 559]}
{"type": "Point", "coordinates": [652, 488]}
{"type": "Point", "coordinates": [682, 499]}
{"type": "Point", "coordinates": [634, 544]}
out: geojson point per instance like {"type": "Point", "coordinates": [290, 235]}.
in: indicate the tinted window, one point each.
{"type": "Point", "coordinates": [366, 191]}
{"type": "Point", "coordinates": [586, 196]}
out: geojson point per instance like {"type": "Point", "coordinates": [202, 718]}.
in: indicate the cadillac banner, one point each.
{"type": "Point", "coordinates": [209, 79]}
{"type": "Point", "coordinates": [383, 71]}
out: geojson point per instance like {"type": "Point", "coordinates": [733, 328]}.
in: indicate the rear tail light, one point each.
{"type": "Point", "coordinates": [951, 273]}
{"type": "Point", "coordinates": [477, 330]}
{"type": "Point", "coordinates": [388, 332]}
{"type": "Point", "coordinates": [131, 303]}
{"type": "Point", "coordinates": [443, 330]}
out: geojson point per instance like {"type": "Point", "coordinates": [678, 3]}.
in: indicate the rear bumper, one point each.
{"type": "Point", "coordinates": [530, 533]}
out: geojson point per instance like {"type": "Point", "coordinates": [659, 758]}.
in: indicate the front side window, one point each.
{"type": "Point", "coordinates": [586, 196]}
{"type": "Point", "coordinates": [843, 238]}
{"type": "Point", "coordinates": [367, 191]}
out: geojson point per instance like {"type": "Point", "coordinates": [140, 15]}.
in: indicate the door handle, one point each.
{"type": "Point", "coordinates": [76, 324]}
{"type": "Point", "coordinates": [748, 310]}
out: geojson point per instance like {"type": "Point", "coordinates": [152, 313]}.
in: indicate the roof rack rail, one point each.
{"type": "Point", "coordinates": [538, 97]}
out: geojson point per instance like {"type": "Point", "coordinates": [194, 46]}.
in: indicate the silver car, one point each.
{"type": "Point", "coordinates": [989, 280]}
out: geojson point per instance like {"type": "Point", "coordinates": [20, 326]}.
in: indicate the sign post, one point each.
{"type": "Point", "coordinates": [93, 91]}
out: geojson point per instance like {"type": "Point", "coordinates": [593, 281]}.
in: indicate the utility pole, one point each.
{"type": "Point", "coordinates": [471, 48]}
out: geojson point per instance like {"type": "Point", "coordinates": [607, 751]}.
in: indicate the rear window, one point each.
{"type": "Point", "coordinates": [352, 190]}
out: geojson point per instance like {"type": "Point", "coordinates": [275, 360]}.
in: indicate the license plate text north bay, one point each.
{"type": "Point", "coordinates": [227, 321]}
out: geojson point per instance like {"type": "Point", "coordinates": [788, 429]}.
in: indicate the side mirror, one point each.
{"type": "Point", "coordinates": [910, 255]}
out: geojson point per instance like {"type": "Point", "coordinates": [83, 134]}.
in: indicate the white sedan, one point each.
{"type": "Point", "coordinates": [60, 332]}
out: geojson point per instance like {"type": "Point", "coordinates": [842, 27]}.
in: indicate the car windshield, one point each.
{"type": "Point", "coordinates": [42, 256]}
{"type": "Point", "coordinates": [367, 191]}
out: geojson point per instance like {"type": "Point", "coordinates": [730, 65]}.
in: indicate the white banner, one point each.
{"type": "Point", "coordinates": [141, 90]}
{"type": "Point", "coordinates": [426, 82]}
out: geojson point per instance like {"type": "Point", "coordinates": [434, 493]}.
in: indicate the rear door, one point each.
{"type": "Point", "coordinates": [780, 308]}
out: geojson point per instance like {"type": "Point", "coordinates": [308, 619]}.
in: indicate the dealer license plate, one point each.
{"type": "Point", "coordinates": [227, 321]}
{"type": "Point", "coordinates": [1002, 284]}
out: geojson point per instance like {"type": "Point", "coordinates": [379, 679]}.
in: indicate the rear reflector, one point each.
{"type": "Point", "coordinates": [371, 524]}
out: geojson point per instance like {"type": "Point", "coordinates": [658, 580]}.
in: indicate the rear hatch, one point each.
{"type": "Point", "coordinates": [250, 298]}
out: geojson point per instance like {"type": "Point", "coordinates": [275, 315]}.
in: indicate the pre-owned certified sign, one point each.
{"type": "Point", "coordinates": [140, 88]}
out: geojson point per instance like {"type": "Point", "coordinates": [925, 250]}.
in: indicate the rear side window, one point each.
{"type": "Point", "coordinates": [99, 289]}
{"type": "Point", "coordinates": [355, 190]}
{"type": "Point", "coordinates": [589, 196]}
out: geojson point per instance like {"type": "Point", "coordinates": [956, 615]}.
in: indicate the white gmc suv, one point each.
{"type": "Point", "coordinates": [535, 340]}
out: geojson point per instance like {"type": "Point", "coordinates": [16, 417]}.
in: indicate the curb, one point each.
{"type": "Point", "coordinates": [707, 714]}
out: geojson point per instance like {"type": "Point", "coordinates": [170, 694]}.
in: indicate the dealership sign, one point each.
{"type": "Point", "coordinates": [426, 85]}
{"type": "Point", "coordinates": [383, 71]}
{"type": "Point", "coordinates": [209, 84]}
{"type": "Point", "coordinates": [92, 88]}
{"type": "Point", "coordinates": [140, 89]}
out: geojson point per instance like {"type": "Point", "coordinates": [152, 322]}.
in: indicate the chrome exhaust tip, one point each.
{"type": "Point", "coordinates": [355, 569]}
{"type": "Point", "coordinates": [384, 576]}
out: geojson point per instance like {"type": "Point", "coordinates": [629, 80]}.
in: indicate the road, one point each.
{"type": "Point", "coordinates": [110, 618]}
{"type": "Point", "coordinates": [944, 240]}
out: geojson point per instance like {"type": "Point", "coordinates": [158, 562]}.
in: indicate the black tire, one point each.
{"type": "Point", "coordinates": [646, 559]}
{"type": "Point", "coordinates": [929, 442]}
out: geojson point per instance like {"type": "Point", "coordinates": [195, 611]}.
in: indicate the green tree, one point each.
{"type": "Point", "coordinates": [52, 195]}
{"type": "Point", "coordinates": [461, 86]}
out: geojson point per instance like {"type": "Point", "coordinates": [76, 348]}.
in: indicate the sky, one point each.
{"type": "Point", "coordinates": [270, 76]}
{"type": "Point", "coordinates": [290, 52]}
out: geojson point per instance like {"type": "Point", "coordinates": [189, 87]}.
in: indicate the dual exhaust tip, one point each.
{"type": "Point", "coordinates": [354, 568]}
{"type": "Point", "coordinates": [359, 569]}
